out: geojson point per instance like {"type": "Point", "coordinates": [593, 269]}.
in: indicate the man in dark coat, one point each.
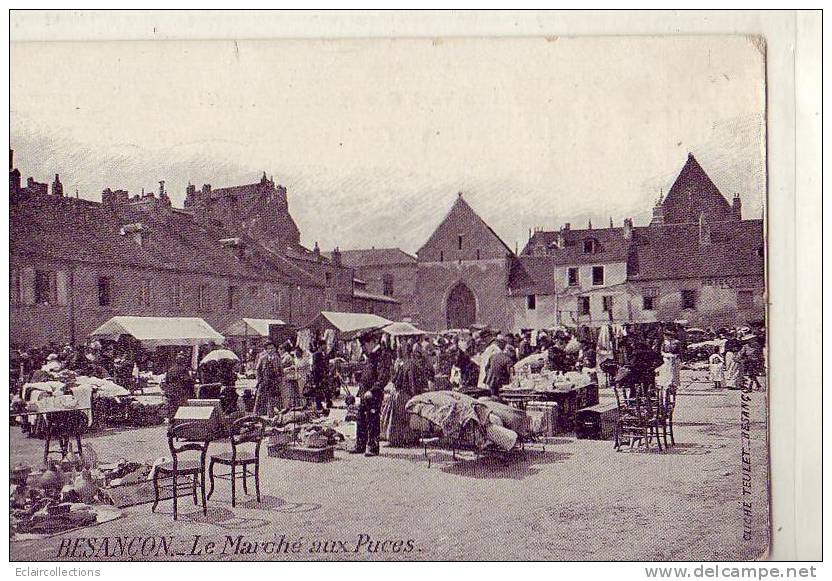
{"type": "Point", "coordinates": [319, 375]}
{"type": "Point", "coordinates": [498, 370]}
{"type": "Point", "coordinates": [179, 384]}
{"type": "Point", "coordinates": [269, 376]}
{"type": "Point", "coordinates": [375, 375]}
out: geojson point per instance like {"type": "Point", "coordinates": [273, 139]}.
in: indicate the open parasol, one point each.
{"type": "Point", "coordinates": [219, 355]}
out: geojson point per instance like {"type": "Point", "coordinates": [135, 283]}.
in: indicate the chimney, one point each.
{"type": "Point", "coordinates": [190, 195]}
{"type": "Point", "coordinates": [57, 187]}
{"type": "Point", "coordinates": [736, 205]}
{"type": "Point", "coordinates": [610, 221]}
{"type": "Point", "coordinates": [206, 191]}
{"type": "Point", "coordinates": [11, 159]}
{"type": "Point", "coordinates": [317, 251]}
{"type": "Point", "coordinates": [115, 198]}
{"type": "Point", "coordinates": [566, 226]}
{"type": "Point", "coordinates": [162, 192]}
{"type": "Point", "coordinates": [704, 231]}
{"type": "Point", "coordinates": [336, 256]}
{"type": "Point", "coordinates": [628, 228]}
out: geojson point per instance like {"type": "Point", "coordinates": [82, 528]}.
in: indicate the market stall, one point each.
{"type": "Point", "coordinates": [347, 325]}
{"type": "Point", "coordinates": [153, 332]}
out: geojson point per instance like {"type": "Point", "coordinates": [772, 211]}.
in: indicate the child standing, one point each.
{"type": "Point", "coordinates": [717, 367]}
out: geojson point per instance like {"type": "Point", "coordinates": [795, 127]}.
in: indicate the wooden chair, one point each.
{"type": "Point", "coordinates": [666, 420]}
{"type": "Point", "coordinates": [246, 430]}
{"type": "Point", "coordinates": [638, 419]}
{"type": "Point", "coordinates": [181, 439]}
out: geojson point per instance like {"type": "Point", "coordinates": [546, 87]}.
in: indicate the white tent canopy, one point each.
{"type": "Point", "coordinates": [403, 329]}
{"type": "Point", "coordinates": [160, 331]}
{"type": "Point", "coordinates": [251, 327]}
{"type": "Point", "coordinates": [349, 322]}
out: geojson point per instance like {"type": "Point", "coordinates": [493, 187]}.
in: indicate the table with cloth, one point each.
{"type": "Point", "coordinates": [570, 391]}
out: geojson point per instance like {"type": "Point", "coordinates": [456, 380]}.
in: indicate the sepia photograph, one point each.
{"type": "Point", "coordinates": [390, 299]}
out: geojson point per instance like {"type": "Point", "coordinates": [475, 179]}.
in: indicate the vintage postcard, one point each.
{"type": "Point", "coordinates": [389, 299]}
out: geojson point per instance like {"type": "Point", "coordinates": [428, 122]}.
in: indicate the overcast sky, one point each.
{"type": "Point", "coordinates": [373, 138]}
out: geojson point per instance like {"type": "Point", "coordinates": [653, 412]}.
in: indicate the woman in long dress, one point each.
{"type": "Point", "coordinates": [408, 381]}
{"type": "Point", "coordinates": [732, 369]}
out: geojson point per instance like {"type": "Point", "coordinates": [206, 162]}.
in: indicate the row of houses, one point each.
{"type": "Point", "coordinates": [74, 263]}
{"type": "Point", "coordinates": [697, 260]}
{"type": "Point", "coordinates": [235, 252]}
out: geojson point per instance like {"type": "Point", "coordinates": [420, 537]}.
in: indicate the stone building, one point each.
{"type": "Point", "coordinates": [462, 275]}
{"type": "Point", "coordinates": [384, 273]}
{"type": "Point", "coordinates": [75, 263]}
{"type": "Point", "coordinates": [697, 260]}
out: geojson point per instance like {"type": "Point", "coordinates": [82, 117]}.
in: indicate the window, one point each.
{"type": "Point", "coordinates": [232, 298]}
{"type": "Point", "coordinates": [203, 298]}
{"type": "Point", "coordinates": [328, 279]}
{"type": "Point", "coordinates": [583, 305]}
{"type": "Point", "coordinates": [17, 288]}
{"type": "Point", "coordinates": [590, 246]}
{"type": "Point", "coordinates": [176, 294]}
{"type": "Point", "coordinates": [441, 256]}
{"type": "Point", "coordinates": [688, 299]}
{"type": "Point", "coordinates": [531, 302]}
{"type": "Point", "coordinates": [144, 293]}
{"type": "Point", "coordinates": [648, 299]}
{"type": "Point", "coordinates": [276, 302]}
{"type": "Point", "coordinates": [45, 287]}
{"type": "Point", "coordinates": [253, 291]}
{"type": "Point", "coordinates": [478, 253]}
{"type": "Point", "coordinates": [606, 303]}
{"type": "Point", "coordinates": [105, 291]}
{"type": "Point", "coordinates": [597, 275]}
{"type": "Point", "coordinates": [459, 242]}
{"type": "Point", "coordinates": [387, 280]}
{"type": "Point", "coordinates": [572, 276]}
{"type": "Point", "coordinates": [745, 299]}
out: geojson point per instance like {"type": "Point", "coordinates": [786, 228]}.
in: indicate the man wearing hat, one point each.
{"type": "Point", "coordinates": [374, 376]}
{"type": "Point", "coordinates": [179, 385]}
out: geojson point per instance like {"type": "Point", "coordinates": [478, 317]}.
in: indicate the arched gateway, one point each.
{"type": "Point", "coordinates": [461, 308]}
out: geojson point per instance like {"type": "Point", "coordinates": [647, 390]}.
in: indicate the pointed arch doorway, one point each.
{"type": "Point", "coordinates": [461, 307]}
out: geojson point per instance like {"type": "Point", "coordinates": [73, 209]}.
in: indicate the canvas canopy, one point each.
{"type": "Point", "coordinates": [160, 331]}
{"type": "Point", "coordinates": [251, 327]}
{"type": "Point", "coordinates": [348, 324]}
{"type": "Point", "coordinates": [402, 329]}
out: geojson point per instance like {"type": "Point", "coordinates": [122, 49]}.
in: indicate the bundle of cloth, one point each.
{"type": "Point", "coordinates": [457, 414]}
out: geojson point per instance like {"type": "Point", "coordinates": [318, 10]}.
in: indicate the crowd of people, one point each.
{"type": "Point", "coordinates": [388, 371]}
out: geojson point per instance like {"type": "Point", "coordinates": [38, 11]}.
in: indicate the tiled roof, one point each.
{"type": "Point", "coordinates": [693, 193]}
{"type": "Point", "coordinates": [360, 294]}
{"type": "Point", "coordinates": [609, 245]}
{"type": "Point", "coordinates": [73, 229]}
{"type": "Point", "coordinates": [532, 275]}
{"type": "Point", "coordinates": [673, 251]}
{"type": "Point", "coordinates": [654, 252]}
{"type": "Point", "coordinates": [375, 257]}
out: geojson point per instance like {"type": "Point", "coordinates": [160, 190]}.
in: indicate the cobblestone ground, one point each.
{"type": "Point", "coordinates": [578, 500]}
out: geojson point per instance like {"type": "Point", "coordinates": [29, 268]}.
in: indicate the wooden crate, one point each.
{"type": "Point", "coordinates": [597, 422]}
{"type": "Point", "coordinates": [293, 452]}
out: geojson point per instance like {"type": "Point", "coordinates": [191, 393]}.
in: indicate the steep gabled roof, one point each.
{"type": "Point", "coordinates": [461, 208]}
{"type": "Point", "coordinates": [693, 193]}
